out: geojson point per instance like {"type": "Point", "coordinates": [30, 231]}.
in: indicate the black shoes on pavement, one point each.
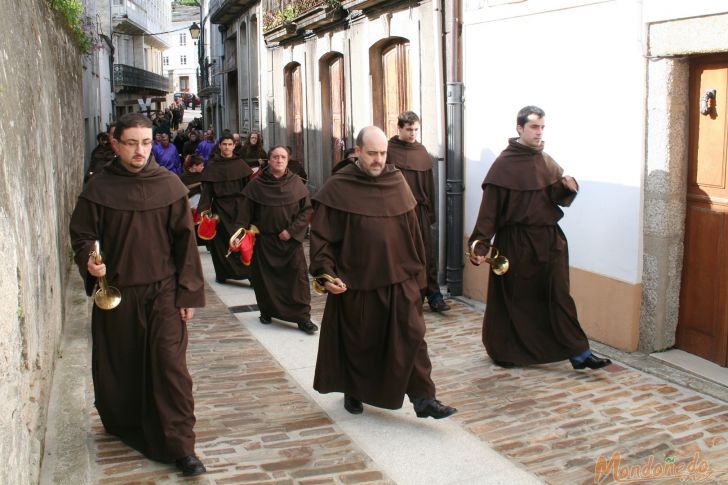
{"type": "Point", "coordinates": [424, 408]}
{"type": "Point", "coordinates": [504, 364]}
{"type": "Point", "coordinates": [353, 405]}
{"type": "Point", "coordinates": [191, 466]}
{"type": "Point", "coordinates": [432, 408]}
{"type": "Point", "coordinates": [439, 305]}
{"type": "Point", "coordinates": [308, 327]}
{"type": "Point", "coordinates": [592, 362]}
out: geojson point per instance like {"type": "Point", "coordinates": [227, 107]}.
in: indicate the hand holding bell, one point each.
{"type": "Point", "coordinates": [498, 263]}
{"type": "Point", "coordinates": [106, 297]}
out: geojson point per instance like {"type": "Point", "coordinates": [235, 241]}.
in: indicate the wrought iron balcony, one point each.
{"type": "Point", "coordinates": [284, 19]}
{"type": "Point", "coordinates": [132, 78]}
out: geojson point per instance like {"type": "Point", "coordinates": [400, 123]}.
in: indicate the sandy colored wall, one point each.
{"type": "Point", "coordinates": [609, 309]}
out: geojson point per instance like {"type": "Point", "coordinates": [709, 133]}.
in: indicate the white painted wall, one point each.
{"type": "Point", "coordinates": [179, 48]}
{"type": "Point", "coordinates": [584, 66]}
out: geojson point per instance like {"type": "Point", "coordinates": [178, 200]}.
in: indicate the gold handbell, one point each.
{"type": "Point", "coordinates": [236, 239]}
{"type": "Point", "coordinates": [498, 263]}
{"type": "Point", "coordinates": [106, 297]}
{"type": "Point", "coordinates": [319, 287]}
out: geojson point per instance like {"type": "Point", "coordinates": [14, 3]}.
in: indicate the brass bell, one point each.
{"type": "Point", "coordinates": [498, 263]}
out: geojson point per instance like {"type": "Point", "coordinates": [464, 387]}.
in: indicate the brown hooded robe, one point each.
{"type": "Point", "coordinates": [530, 317]}
{"type": "Point", "coordinates": [280, 280]}
{"type": "Point", "coordinates": [223, 181]}
{"type": "Point", "coordinates": [416, 166]}
{"type": "Point", "coordinates": [372, 344]}
{"type": "Point", "coordinates": [142, 387]}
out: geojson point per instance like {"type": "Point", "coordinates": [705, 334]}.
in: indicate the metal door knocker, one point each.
{"type": "Point", "coordinates": [707, 103]}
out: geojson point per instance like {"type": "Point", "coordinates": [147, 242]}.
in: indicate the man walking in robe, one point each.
{"type": "Point", "coordinates": [139, 213]}
{"type": "Point", "coordinates": [223, 181]}
{"type": "Point", "coordinates": [530, 317]}
{"type": "Point", "coordinates": [412, 159]}
{"type": "Point", "coordinates": [277, 203]}
{"type": "Point", "coordinates": [367, 252]}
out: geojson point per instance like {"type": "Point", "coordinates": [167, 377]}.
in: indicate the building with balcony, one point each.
{"type": "Point", "coordinates": [139, 30]}
{"type": "Point", "coordinates": [180, 60]}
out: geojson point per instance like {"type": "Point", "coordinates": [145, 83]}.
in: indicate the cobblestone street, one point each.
{"type": "Point", "coordinates": [259, 421]}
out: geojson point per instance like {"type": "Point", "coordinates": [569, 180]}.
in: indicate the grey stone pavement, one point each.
{"type": "Point", "coordinates": [259, 421]}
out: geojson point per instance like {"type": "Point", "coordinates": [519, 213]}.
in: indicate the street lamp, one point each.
{"type": "Point", "coordinates": [194, 31]}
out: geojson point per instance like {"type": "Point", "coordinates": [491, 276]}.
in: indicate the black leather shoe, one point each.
{"type": "Point", "coordinates": [308, 327]}
{"type": "Point", "coordinates": [353, 405]}
{"type": "Point", "coordinates": [264, 319]}
{"type": "Point", "coordinates": [220, 280]}
{"type": "Point", "coordinates": [191, 466]}
{"type": "Point", "coordinates": [504, 364]}
{"type": "Point", "coordinates": [432, 408]}
{"type": "Point", "coordinates": [439, 306]}
{"type": "Point", "coordinates": [592, 362]}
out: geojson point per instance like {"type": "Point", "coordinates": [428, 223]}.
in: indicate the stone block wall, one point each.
{"type": "Point", "coordinates": [41, 172]}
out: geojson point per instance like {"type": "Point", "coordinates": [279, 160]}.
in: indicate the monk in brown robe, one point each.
{"type": "Point", "coordinates": [139, 213]}
{"type": "Point", "coordinates": [530, 317]}
{"type": "Point", "coordinates": [277, 203]}
{"type": "Point", "coordinates": [412, 159]}
{"type": "Point", "coordinates": [223, 181]}
{"type": "Point", "coordinates": [367, 252]}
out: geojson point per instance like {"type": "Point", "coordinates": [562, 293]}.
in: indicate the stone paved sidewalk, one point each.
{"type": "Point", "coordinates": [557, 422]}
{"type": "Point", "coordinates": [256, 425]}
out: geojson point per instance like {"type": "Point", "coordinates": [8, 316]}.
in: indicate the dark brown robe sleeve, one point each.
{"type": "Point", "coordinates": [205, 197]}
{"type": "Point", "coordinates": [245, 214]}
{"type": "Point", "coordinates": [190, 282]}
{"type": "Point", "coordinates": [490, 207]}
{"type": "Point", "coordinates": [297, 228]}
{"type": "Point", "coordinates": [326, 236]}
{"type": "Point", "coordinates": [414, 228]}
{"type": "Point", "coordinates": [84, 230]}
{"type": "Point", "coordinates": [432, 208]}
{"type": "Point", "coordinates": [561, 194]}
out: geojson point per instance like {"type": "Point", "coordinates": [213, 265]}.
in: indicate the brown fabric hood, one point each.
{"type": "Point", "coordinates": [268, 190]}
{"type": "Point", "coordinates": [352, 190]}
{"type": "Point", "coordinates": [520, 167]}
{"type": "Point", "coordinates": [408, 156]}
{"type": "Point", "coordinates": [151, 188]}
{"type": "Point", "coordinates": [221, 169]}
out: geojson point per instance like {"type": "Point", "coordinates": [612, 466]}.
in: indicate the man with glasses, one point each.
{"type": "Point", "coordinates": [139, 213]}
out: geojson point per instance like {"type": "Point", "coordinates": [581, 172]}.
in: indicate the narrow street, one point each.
{"type": "Point", "coordinates": [260, 421]}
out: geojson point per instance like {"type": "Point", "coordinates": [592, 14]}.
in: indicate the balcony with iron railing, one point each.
{"type": "Point", "coordinates": [130, 78]}
{"type": "Point", "coordinates": [283, 19]}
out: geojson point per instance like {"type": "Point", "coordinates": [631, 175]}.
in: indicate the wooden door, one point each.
{"type": "Point", "coordinates": [703, 318]}
{"type": "Point", "coordinates": [294, 111]}
{"type": "Point", "coordinates": [338, 114]}
{"type": "Point", "coordinates": [395, 80]}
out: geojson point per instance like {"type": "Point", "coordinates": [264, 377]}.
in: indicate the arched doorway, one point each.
{"type": "Point", "coordinates": [389, 63]}
{"type": "Point", "coordinates": [294, 110]}
{"type": "Point", "coordinates": [333, 107]}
